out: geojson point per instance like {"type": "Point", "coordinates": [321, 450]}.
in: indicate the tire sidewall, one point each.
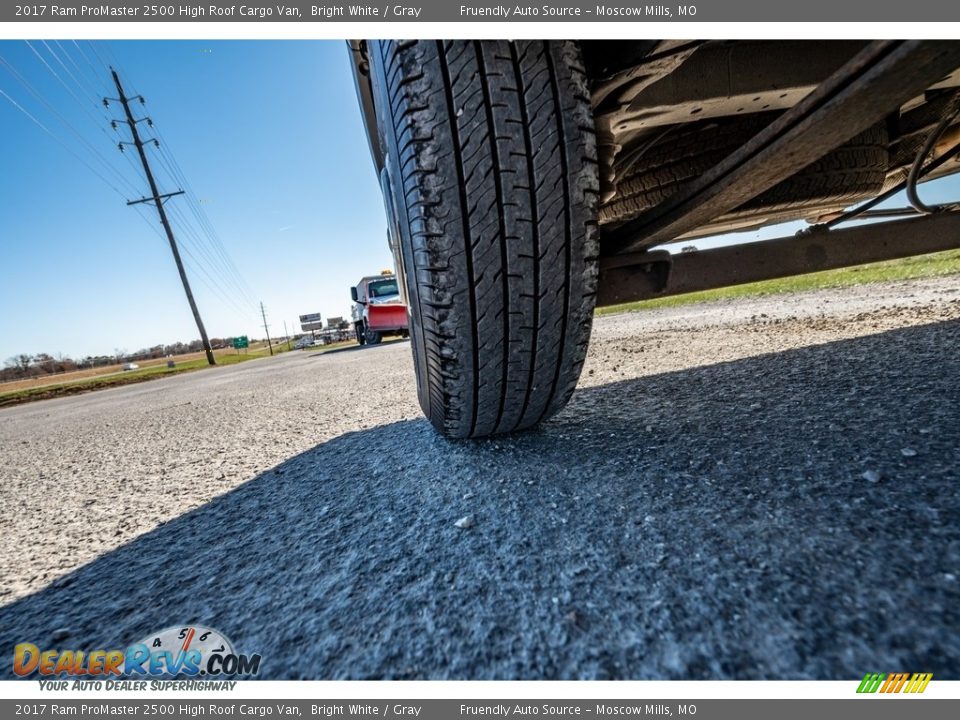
{"type": "Point", "coordinates": [399, 223]}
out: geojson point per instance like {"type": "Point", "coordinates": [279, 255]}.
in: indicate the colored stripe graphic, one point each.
{"type": "Point", "coordinates": [918, 683]}
{"type": "Point", "coordinates": [894, 682]}
{"type": "Point", "coordinates": [870, 682]}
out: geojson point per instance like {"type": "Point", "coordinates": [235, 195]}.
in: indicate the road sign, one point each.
{"type": "Point", "coordinates": [311, 322]}
{"type": "Point", "coordinates": [241, 342]}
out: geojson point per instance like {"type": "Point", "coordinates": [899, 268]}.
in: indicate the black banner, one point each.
{"type": "Point", "coordinates": [445, 11]}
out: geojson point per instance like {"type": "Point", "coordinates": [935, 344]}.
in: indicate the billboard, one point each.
{"type": "Point", "coordinates": [310, 322]}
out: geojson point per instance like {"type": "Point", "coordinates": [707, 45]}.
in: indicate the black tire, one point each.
{"type": "Point", "coordinates": [492, 170]}
{"type": "Point", "coordinates": [852, 172]}
{"type": "Point", "coordinates": [358, 329]}
{"type": "Point", "coordinates": [372, 337]}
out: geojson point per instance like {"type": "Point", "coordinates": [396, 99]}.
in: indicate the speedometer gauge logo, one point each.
{"type": "Point", "coordinates": [192, 650]}
{"type": "Point", "coordinates": [194, 641]}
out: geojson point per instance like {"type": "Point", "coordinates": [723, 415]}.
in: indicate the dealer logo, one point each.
{"type": "Point", "coordinates": [191, 651]}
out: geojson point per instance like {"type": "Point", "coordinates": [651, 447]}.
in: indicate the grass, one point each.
{"type": "Point", "coordinates": [116, 379]}
{"type": "Point", "coordinates": [921, 266]}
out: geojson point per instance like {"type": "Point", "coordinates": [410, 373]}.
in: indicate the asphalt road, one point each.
{"type": "Point", "coordinates": [764, 489]}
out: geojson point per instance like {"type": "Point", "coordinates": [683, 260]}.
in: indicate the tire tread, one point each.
{"type": "Point", "coordinates": [498, 191]}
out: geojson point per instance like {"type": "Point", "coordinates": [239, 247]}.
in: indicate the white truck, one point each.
{"type": "Point", "coordinates": [378, 308]}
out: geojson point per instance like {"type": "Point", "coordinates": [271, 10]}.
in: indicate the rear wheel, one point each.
{"type": "Point", "coordinates": [492, 182]}
{"type": "Point", "coordinates": [358, 329]}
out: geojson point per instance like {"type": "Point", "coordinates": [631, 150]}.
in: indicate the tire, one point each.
{"type": "Point", "coordinates": [493, 187]}
{"type": "Point", "coordinates": [852, 172]}
{"type": "Point", "coordinates": [372, 337]}
{"type": "Point", "coordinates": [358, 329]}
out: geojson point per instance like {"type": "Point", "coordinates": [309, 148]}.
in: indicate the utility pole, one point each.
{"type": "Point", "coordinates": [263, 314]}
{"type": "Point", "coordinates": [157, 199]}
{"type": "Point", "coordinates": [286, 333]}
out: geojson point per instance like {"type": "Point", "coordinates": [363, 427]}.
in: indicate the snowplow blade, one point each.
{"type": "Point", "coordinates": [387, 317]}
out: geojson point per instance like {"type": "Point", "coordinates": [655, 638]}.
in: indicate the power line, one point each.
{"type": "Point", "coordinates": [168, 161]}
{"type": "Point", "coordinates": [188, 233]}
{"type": "Point", "coordinates": [202, 245]}
{"type": "Point", "coordinates": [99, 75]}
{"type": "Point", "coordinates": [200, 214]}
{"type": "Point", "coordinates": [205, 248]}
{"type": "Point", "coordinates": [196, 264]}
{"type": "Point", "coordinates": [79, 76]}
{"type": "Point", "coordinates": [61, 142]}
{"type": "Point", "coordinates": [217, 258]}
{"type": "Point", "coordinates": [209, 284]}
{"type": "Point", "coordinates": [63, 121]}
{"type": "Point", "coordinates": [158, 201]}
{"type": "Point", "coordinates": [96, 122]}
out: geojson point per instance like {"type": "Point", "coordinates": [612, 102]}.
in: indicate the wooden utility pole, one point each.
{"type": "Point", "coordinates": [263, 314]}
{"type": "Point", "coordinates": [157, 199]}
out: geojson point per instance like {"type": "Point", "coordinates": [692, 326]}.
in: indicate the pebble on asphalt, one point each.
{"type": "Point", "coordinates": [871, 476]}
{"type": "Point", "coordinates": [464, 523]}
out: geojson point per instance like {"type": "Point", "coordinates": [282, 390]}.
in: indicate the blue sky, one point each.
{"type": "Point", "coordinates": [269, 137]}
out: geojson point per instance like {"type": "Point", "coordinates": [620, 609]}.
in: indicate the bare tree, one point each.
{"type": "Point", "coordinates": [17, 366]}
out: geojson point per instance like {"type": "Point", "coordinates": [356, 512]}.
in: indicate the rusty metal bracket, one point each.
{"type": "Point", "coordinates": [646, 275]}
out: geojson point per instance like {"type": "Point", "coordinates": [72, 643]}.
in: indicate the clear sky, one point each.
{"type": "Point", "coordinates": [268, 135]}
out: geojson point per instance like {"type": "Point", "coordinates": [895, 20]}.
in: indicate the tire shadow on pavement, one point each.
{"type": "Point", "coordinates": [793, 515]}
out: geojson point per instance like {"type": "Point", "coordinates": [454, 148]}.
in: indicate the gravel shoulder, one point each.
{"type": "Point", "coordinates": [756, 488]}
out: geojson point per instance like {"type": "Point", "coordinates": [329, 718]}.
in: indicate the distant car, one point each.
{"type": "Point", "coordinates": [305, 342]}
{"type": "Point", "coordinates": [131, 366]}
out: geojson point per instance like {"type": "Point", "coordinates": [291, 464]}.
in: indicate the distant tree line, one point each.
{"type": "Point", "coordinates": [24, 366]}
